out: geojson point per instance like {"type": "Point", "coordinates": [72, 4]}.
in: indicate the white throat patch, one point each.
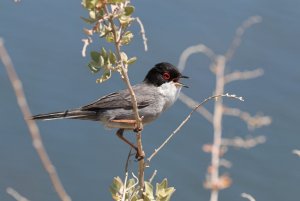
{"type": "Point", "coordinates": [170, 93]}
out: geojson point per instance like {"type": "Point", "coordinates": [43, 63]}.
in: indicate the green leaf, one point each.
{"type": "Point", "coordinates": [89, 4]}
{"type": "Point", "coordinates": [110, 37]}
{"type": "Point", "coordinates": [125, 20]}
{"type": "Point", "coordinates": [162, 185]}
{"type": "Point", "coordinates": [132, 60]}
{"type": "Point", "coordinates": [115, 1]}
{"type": "Point", "coordinates": [148, 193]}
{"type": "Point", "coordinates": [95, 56]}
{"type": "Point", "coordinates": [101, 61]}
{"type": "Point", "coordinates": [112, 57]}
{"type": "Point", "coordinates": [124, 56]}
{"type": "Point", "coordinates": [94, 67]}
{"type": "Point", "coordinates": [115, 188]}
{"type": "Point", "coordinates": [163, 192]}
{"type": "Point", "coordinates": [129, 10]}
{"type": "Point", "coordinates": [106, 75]}
{"type": "Point", "coordinates": [88, 20]}
{"type": "Point", "coordinates": [127, 37]}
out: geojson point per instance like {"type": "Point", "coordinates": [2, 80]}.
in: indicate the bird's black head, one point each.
{"type": "Point", "coordinates": [162, 73]}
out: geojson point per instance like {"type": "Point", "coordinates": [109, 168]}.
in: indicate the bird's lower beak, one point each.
{"type": "Point", "coordinates": [178, 85]}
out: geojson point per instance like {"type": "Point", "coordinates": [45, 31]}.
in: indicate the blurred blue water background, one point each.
{"type": "Point", "coordinates": [44, 40]}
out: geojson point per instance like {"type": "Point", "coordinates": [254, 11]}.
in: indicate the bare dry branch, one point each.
{"type": "Point", "coordinates": [143, 33]}
{"type": "Point", "coordinates": [239, 142]}
{"type": "Point", "coordinates": [248, 196]}
{"type": "Point", "coordinates": [237, 75]}
{"type": "Point", "coordinates": [33, 129]}
{"type": "Point", "coordinates": [191, 103]}
{"type": "Point", "coordinates": [187, 118]}
{"type": "Point", "coordinates": [239, 34]}
{"type": "Point", "coordinates": [193, 50]}
{"type": "Point", "coordinates": [253, 122]}
{"type": "Point", "coordinates": [15, 194]}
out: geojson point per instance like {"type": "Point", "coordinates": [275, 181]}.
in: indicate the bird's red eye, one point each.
{"type": "Point", "coordinates": [166, 76]}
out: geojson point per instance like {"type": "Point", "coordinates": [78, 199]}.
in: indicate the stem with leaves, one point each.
{"type": "Point", "coordinates": [111, 20]}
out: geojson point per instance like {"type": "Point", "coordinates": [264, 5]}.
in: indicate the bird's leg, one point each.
{"type": "Point", "coordinates": [140, 154]}
{"type": "Point", "coordinates": [120, 135]}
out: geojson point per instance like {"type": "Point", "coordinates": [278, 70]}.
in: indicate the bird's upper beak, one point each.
{"type": "Point", "coordinates": [183, 76]}
{"type": "Point", "coordinates": [179, 84]}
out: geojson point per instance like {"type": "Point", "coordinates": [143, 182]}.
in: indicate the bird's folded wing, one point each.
{"type": "Point", "coordinates": [121, 99]}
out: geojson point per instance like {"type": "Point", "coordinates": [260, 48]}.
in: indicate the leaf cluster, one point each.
{"type": "Point", "coordinates": [110, 20]}
{"type": "Point", "coordinates": [162, 191]}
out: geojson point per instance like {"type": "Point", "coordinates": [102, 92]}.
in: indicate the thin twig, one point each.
{"type": "Point", "coordinates": [191, 103]}
{"type": "Point", "coordinates": [17, 196]}
{"type": "Point", "coordinates": [248, 196]}
{"type": "Point", "coordinates": [152, 176]}
{"type": "Point", "coordinates": [127, 160]}
{"type": "Point", "coordinates": [186, 120]}
{"type": "Point", "coordinates": [252, 122]}
{"type": "Point", "coordinates": [239, 34]}
{"type": "Point", "coordinates": [133, 186]}
{"type": "Point", "coordinates": [237, 75]}
{"type": "Point", "coordinates": [126, 176]}
{"type": "Point", "coordinates": [124, 187]}
{"type": "Point", "coordinates": [33, 129]}
{"type": "Point", "coordinates": [201, 48]}
{"type": "Point", "coordinates": [247, 143]}
{"type": "Point", "coordinates": [143, 33]}
{"type": "Point", "coordinates": [86, 42]}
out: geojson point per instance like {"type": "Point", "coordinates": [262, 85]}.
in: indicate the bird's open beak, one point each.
{"type": "Point", "coordinates": [179, 84]}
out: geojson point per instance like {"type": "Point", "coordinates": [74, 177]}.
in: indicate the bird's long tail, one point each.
{"type": "Point", "coordinates": [68, 114]}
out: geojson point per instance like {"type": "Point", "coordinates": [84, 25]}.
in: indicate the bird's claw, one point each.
{"type": "Point", "coordinates": [139, 156]}
{"type": "Point", "coordinates": [137, 129]}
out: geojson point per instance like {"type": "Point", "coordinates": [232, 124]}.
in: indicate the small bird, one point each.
{"type": "Point", "coordinates": [154, 95]}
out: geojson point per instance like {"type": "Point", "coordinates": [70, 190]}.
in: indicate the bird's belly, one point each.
{"type": "Point", "coordinates": [111, 120]}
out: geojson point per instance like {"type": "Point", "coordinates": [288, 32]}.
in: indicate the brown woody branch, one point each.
{"type": "Point", "coordinates": [125, 78]}
{"type": "Point", "coordinates": [32, 126]}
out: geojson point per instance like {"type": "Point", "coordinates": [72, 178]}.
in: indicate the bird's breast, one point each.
{"type": "Point", "coordinates": [169, 93]}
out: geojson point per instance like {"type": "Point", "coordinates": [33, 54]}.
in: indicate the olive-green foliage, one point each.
{"type": "Point", "coordinates": [110, 20]}
{"type": "Point", "coordinates": [162, 191]}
